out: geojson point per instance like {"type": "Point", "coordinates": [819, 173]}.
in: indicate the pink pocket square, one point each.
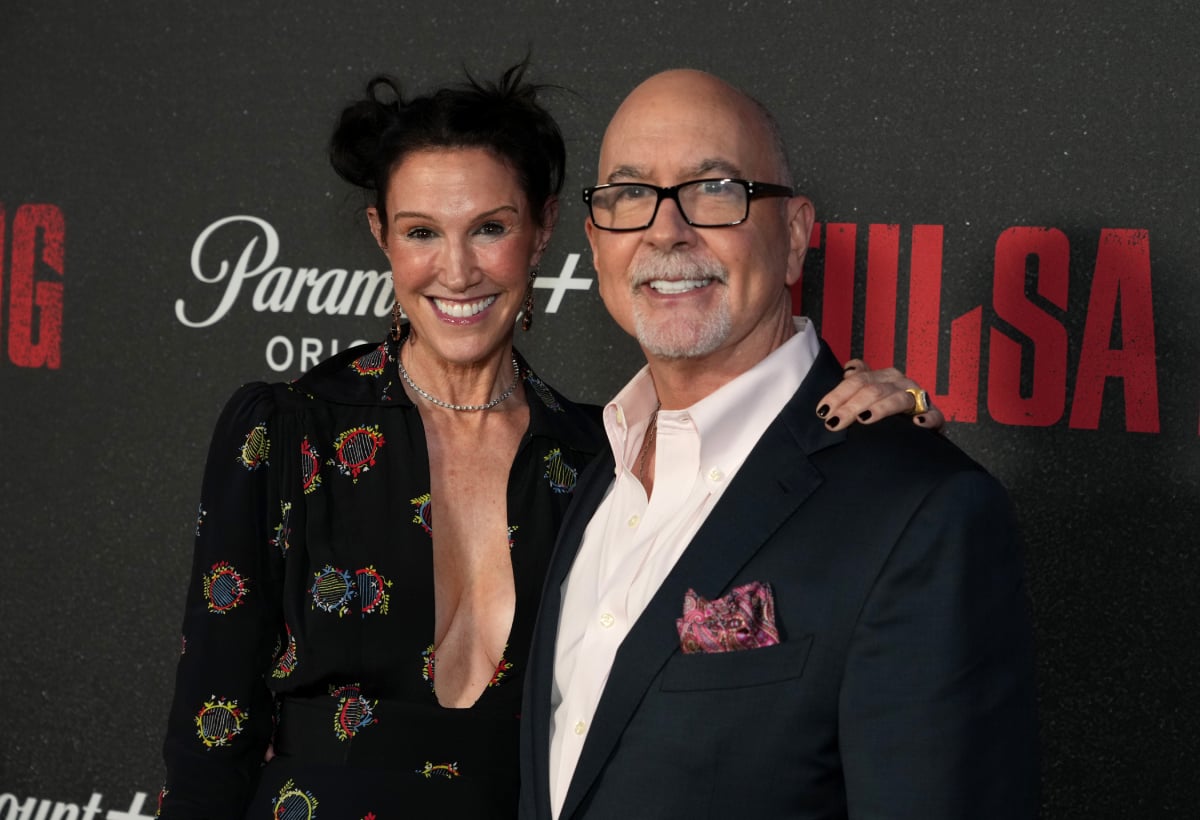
{"type": "Point", "coordinates": [743, 619]}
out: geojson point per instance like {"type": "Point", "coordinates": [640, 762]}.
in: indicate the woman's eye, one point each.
{"type": "Point", "coordinates": [418, 233]}
{"type": "Point", "coordinates": [492, 228]}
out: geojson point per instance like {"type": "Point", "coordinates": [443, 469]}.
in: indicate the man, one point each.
{"type": "Point", "coordinates": [750, 614]}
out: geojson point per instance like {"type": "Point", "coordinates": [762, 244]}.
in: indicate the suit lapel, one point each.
{"type": "Point", "coordinates": [774, 481]}
{"type": "Point", "coordinates": [589, 492]}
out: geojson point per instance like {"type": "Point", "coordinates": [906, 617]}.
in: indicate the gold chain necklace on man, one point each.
{"type": "Point", "coordinates": [647, 443]}
{"type": "Point", "coordinates": [460, 407]}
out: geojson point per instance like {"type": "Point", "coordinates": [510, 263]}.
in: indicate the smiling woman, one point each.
{"type": "Point", "coordinates": [391, 535]}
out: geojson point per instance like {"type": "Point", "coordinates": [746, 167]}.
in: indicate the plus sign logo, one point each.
{"type": "Point", "coordinates": [559, 285]}
{"type": "Point", "coordinates": [135, 810]}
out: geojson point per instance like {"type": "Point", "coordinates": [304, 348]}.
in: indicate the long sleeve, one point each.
{"type": "Point", "coordinates": [221, 718]}
{"type": "Point", "coordinates": [937, 709]}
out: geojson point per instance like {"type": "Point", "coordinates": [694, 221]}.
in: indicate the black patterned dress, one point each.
{"type": "Point", "coordinates": [310, 613]}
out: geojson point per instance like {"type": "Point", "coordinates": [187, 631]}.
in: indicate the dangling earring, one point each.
{"type": "Point", "coordinates": [527, 311]}
{"type": "Point", "coordinates": [396, 331]}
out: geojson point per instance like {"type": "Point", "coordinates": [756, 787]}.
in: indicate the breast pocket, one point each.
{"type": "Point", "coordinates": [733, 670]}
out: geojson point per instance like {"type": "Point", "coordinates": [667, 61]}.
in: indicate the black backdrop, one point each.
{"type": "Point", "coordinates": [1065, 349]}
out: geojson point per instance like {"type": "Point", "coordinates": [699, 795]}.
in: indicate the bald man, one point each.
{"type": "Point", "coordinates": [750, 614]}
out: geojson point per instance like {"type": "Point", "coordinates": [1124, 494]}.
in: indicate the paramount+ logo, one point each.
{"type": "Point", "coordinates": [31, 289]}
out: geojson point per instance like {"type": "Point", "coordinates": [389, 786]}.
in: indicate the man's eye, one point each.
{"type": "Point", "coordinates": [632, 192]}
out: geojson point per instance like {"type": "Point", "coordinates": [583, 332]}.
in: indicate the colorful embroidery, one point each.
{"type": "Point", "coordinates": [310, 466]}
{"type": "Point", "coordinates": [224, 588]}
{"type": "Point", "coordinates": [372, 591]}
{"type": "Point", "coordinates": [427, 662]}
{"type": "Point", "coordinates": [543, 392]}
{"type": "Point", "coordinates": [286, 663]}
{"type": "Point", "coordinates": [162, 795]}
{"type": "Point", "coordinates": [294, 804]}
{"type": "Point", "coordinates": [355, 450]}
{"type": "Point", "coordinates": [200, 515]}
{"type": "Point", "coordinates": [371, 364]}
{"type": "Point", "coordinates": [183, 644]}
{"type": "Point", "coordinates": [560, 474]}
{"type": "Point", "coordinates": [424, 515]}
{"type": "Point", "coordinates": [254, 451]}
{"type": "Point", "coordinates": [447, 770]}
{"type": "Point", "coordinates": [427, 666]}
{"type": "Point", "coordinates": [512, 530]}
{"type": "Point", "coordinates": [332, 590]}
{"type": "Point", "coordinates": [219, 721]}
{"type": "Point", "coordinates": [282, 530]}
{"type": "Point", "coordinates": [354, 712]}
{"type": "Point", "coordinates": [502, 669]}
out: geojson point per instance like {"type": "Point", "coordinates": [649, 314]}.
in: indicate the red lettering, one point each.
{"type": "Point", "coordinates": [837, 310]}
{"type": "Point", "coordinates": [30, 223]}
{"type": "Point", "coordinates": [883, 271]}
{"type": "Point", "coordinates": [961, 399]}
{"type": "Point", "coordinates": [1016, 249]}
{"type": "Point", "coordinates": [3, 226]}
{"type": "Point", "coordinates": [1122, 275]}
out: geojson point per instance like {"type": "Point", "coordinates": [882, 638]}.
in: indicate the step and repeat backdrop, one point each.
{"type": "Point", "coordinates": [1007, 197]}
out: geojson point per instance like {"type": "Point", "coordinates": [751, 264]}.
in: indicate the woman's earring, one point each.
{"type": "Point", "coordinates": [396, 330]}
{"type": "Point", "coordinates": [527, 311]}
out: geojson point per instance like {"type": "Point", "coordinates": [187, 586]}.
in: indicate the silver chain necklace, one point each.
{"type": "Point", "coordinates": [462, 407]}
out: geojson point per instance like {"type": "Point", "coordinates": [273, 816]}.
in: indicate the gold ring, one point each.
{"type": "Point", "coordinates": [920, 401]}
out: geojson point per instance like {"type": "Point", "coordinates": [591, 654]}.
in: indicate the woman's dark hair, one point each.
{"type": "Point", "coordinates": [374, 134]}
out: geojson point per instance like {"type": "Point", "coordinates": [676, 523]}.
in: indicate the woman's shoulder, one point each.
{"type": "Point", "coordinates": [360, 375]}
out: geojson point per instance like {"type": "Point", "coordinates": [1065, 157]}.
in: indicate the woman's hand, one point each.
{"type": "Point", "coordinates": [867, 395]}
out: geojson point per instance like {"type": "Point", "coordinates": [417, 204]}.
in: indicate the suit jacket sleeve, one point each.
{"type": "Point", "coordinates": [937, 708]}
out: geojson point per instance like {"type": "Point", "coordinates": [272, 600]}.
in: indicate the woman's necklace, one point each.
{"type": "Point", "coordinates": [462, 407]}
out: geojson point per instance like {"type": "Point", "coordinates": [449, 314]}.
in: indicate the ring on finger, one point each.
{"type": "Point", "coordinates": [920, 401]}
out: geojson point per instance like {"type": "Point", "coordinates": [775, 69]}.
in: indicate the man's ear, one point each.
{"type": "Point", "coordinates": [376, 228]}
{"type": "Point", "coordinates": [800, 215]}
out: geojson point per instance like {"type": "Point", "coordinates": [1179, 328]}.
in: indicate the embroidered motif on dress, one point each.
{"type": "Point", "coordinates": [282, 530]}
{"type": "Point", "coordinates": [332, 590]}
{"type": "Point", "coordinates": [371, 364]}
{"type": "Point", "coordinates": [355, 450]}
{"type": "Point", "coordinates": [256, 448]}
{"type": "Point", "coordinates": [353, 712]}
{"type": "Point", "coordinates": [372, 591]}
{"type": "Point", "coordinates": [294, 803]}
{"type": "Point", "coordinates": [224, 588]}
{"type": "Point", "coordinates": [559, 473]}
{"type": "Point", "coordinates": [424, 513]}
{"type": "Point", "coordinates": [310, 466]}
{"type": "Point", "coordinates": [219, 721]}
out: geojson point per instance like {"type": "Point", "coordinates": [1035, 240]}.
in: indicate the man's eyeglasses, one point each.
{"type": "Point", "coordinates": [703, 203]}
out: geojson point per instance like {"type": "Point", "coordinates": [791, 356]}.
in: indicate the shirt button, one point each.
{"type": "Point", "coordinates": [715, 474]}
{"type": "Point", "coordinates": [607, 620]}
{"type": "Point", "coordinates": [633, 520]}
{"type": "Point", "coordinates": [580, 728]}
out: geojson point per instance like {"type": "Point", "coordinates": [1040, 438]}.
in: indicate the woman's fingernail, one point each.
{"type": "Point", "coordinates": [849, 367]}
{"type": "Point", "coordinates": [864, 415]}
{"type": "Point", "coordinates": [822, 410]}
{"type": "Point", "coordinates": [831, 422]}
{"type": "Point", "coordinates": [920, 419]}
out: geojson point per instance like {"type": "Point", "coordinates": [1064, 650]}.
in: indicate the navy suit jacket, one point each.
{"type": "Point", "coordinates": [903, 683]}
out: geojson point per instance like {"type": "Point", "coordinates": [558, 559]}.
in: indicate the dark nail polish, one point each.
{"type": "Point", "coordinates": [822, 410]}
{"type": "Point", "coordinates": [849, 368]}
{"type": "Point", "coordinates": [864, 415]}
{"type": "Point", "coordinates": [831, 422]}
{"type": "Point", "coordinates": [920, 419]}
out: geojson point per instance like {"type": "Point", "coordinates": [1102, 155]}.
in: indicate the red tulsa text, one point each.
{"type": "Point", "coordinates": [34, 307]}
{"type": "Point", "coordinates": [1119, 300]}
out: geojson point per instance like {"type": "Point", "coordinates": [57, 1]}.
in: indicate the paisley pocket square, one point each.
{"type": "Point", "coordinates": [743, 619]}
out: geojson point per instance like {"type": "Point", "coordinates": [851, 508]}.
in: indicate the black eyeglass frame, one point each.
{"type": "Point", "coordinates": [754, 190]}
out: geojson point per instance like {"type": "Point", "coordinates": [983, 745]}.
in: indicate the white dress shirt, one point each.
{"type": "Point", "coordinates": [630, 545]}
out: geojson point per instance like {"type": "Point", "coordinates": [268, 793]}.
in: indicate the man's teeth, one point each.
{"type": "Point", "coordinates": [679, 285]}
{"type": "Point", "coordinates": [463, 309]}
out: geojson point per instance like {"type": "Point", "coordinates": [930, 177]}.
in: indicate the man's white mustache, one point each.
{"type": "Point", "coordinates": [674, 267]}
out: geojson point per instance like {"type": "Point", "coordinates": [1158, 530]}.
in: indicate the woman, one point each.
{"type": "Point", "coordinates": [376, 648]}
